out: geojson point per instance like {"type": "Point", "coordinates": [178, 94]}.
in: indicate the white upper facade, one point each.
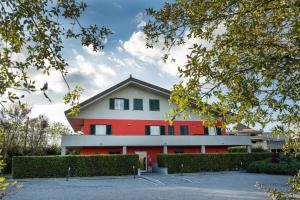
{"type": "Point", "coordinates": [99, 108]}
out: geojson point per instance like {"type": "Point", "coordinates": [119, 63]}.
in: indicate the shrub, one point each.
{"type": "Point", "coordinates": [18, 151]}
{"type": "Point", "coordinates": [57, 166]}
{"type": "Point", "coordinates": [244, 150]}
{"type": "Point", "coordinates": [208, 162]}
{"type": "Point", "coordinates": [267, 166]}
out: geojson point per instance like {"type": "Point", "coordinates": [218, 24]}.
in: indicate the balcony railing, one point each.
{"type": "Point", "coordinates": [146, 140]}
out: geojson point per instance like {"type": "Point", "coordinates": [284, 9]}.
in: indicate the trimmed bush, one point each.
{"type": "Point", "coordinates": [208, 162]}
{"type": "Point", "coordinates": [244, 150]}
{"type": "Point", "coordinates": [81, 166]}
{"type": "Point", "coordinates": [266, 166]}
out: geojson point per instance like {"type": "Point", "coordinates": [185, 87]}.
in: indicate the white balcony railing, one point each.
{"type": "Point", "coordinates": [146, 140]}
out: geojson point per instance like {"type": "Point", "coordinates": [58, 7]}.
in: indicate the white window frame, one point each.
{"type": "Point", "coordinates": [119, 104]}
{"type": "Point", "coordinates": [100, 129]}
{"type": "Point", "coordinates": [154, 130]}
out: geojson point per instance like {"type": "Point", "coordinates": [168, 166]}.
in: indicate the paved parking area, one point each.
{"type": "Point", "coordinates": [212, 186]}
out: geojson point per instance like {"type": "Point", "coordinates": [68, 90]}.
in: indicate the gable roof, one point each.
{"type": "Point", "coordinates": [126, 82]}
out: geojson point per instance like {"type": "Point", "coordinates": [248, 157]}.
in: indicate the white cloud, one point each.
{"type": "Point", "coordinates": [136, 47]}
{"type": "Point", "coordinates": [139, 20]}
{"type": "Point", "coordinates": [53, 111]}
{"type": "Point", "coordinates": [107, 71]}
{"type": "Point", "coordinates": [89, 49]}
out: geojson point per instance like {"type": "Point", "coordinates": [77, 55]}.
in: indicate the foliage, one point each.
{"type": "Point", "coordinates": [57, 166]}
{"type": "Point", "coordinates": [248, 71]}
{"type": "Point", "coordinates": [36, 31]}
{"type": "Point", "coordinates": [266, 166]}
{"type": "Point", "coordinates": [208, 162]}
{"type": "Point", "coordinates": [27, 136]}
{"type": "Point", "coordinates": [244, 149]}
{"type": "Point", "coordinates": [16, 151]}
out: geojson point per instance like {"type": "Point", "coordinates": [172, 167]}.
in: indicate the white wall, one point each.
{"type": "Point", "coordinates": [100, 108]}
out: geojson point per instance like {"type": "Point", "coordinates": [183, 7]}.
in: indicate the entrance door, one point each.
{"type": "Point", "coordinates": [143, 160]}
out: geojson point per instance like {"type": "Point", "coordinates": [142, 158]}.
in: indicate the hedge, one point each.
{"type": "Point", "coordinates": [208, 162]}
{"type": "Point", "coordinates": [266, 166]}
{"type": "Point", "coordinates": [244, 150]}
{"type": "Point", "coordinates": [81, 166]}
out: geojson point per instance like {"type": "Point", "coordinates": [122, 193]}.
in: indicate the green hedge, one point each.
{"type": "Point", "coordinates": [266, 166]}
{"type": "Point", "coordinates": [57, 166]}
{"type": "Point", "coordinates": [244, 150]}
{"type": "Point", "coordinates": [208, 162]}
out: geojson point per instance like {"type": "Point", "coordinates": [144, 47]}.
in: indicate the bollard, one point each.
{"type": "Point", "coordinates": [241, 165]}
{"type": "Point", "coordinates": [181, 174]}
{"type": "Point", "coordinates": [133, 171]}
{"type": "Point", "coordinates": [68, 174]}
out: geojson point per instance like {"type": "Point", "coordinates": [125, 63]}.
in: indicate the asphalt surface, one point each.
{"type": "Point", "coordinates": [212, 186]}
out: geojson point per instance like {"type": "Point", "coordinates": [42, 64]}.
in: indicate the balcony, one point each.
{"type": "Point", "coordinates": [146, 140]}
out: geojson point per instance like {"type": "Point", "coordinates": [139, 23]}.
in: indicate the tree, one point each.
{"type": "Point", "coordinates": [56, 130]}
{"type": "Point", "coordinates": [35, 30]}
{"type": "Point", "coordinates": [250, 71]}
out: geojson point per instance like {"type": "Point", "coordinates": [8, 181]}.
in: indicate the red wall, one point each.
{"type": "Point", "coordinates": [152, 152]}
{"type": "Point", "coordinates": [137, 127]}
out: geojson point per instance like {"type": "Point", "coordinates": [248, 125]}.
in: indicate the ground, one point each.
{"type": "Point", "coordinates": [212, 186]}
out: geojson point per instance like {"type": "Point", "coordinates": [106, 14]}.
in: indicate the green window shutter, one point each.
{"type": "Point", "coordinates": [108, 129]}
{"type": "Point", "coordinates": [219, 131]}
{"type": "Point", "coordinates": [170, 130]}
{"type": "Point", "coordinates": [112, 104]}
{"type": "Point", "coordinates": [157, 105]}
{"type": "Point", "coordinates": [138, 104]}
{"type": "Point", "coordinates": [93, 129]}
{"type": "Point", "coordinates": [205, 130]}
{"type": "Point", "coordinates": [184, 130]}
{"type": "Point", "coordinates": [147, 130]}
{"type": "Point", "coordinates": [126, 104]}
{"type": "Point", "coordinates": [151, 105]}
{"type": "Point", "coordinates": [162, 130]}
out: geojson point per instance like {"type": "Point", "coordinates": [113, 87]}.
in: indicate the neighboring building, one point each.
{"type": "Point", "coordinates": [129, 118]}
{"type": "Point", "coordinates": [259, 138]}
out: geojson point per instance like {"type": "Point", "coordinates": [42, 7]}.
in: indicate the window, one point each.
{"type": "Point", "coordinates": [212, 130]}
{"type": "Point", "coordinates": [170, 130]}
{"type": "Point", "coordinates": [184, 130]}
{"type": "Point", "coordinates": [137, 104]}
{"type": "Point", "coordinates": [154, 104]}
{"type": "Point", "coordinates": [100, 129]}
{"type": "Point", "coordinates": [155, 130]}
{"type": "Point", "coordinates": [119, 104]}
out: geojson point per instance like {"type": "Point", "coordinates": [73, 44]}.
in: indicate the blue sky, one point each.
{"type": "Point", "coordinates": [124, 54]}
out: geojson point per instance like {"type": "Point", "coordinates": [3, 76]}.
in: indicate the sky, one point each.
{"type": "Point", "coordinates": [124, 54]}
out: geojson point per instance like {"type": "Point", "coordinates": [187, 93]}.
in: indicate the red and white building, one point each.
{"type": "Point", "coordinates": [129, 118]}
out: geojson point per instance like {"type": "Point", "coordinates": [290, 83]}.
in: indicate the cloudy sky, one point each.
{"type": "Point", "coordinates": [125, 53]}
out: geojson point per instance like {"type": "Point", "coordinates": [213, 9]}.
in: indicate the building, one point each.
{"type": "Point", "coordinates": [262, 139]}
{"type": "Point", "coordinates": [129, 118]}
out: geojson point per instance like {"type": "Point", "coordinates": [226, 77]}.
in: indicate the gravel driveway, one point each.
{"type": "Point", "coordinates": [212, 186]}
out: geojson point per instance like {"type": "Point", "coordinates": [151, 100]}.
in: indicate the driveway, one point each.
{"type": "Point", "coordinates": [212, 186]}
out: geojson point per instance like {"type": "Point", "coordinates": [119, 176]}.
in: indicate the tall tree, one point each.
{"type": "Point", "coordinates": [250, 71]}
{"type": "Point", "coordinates": [36, 30]}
